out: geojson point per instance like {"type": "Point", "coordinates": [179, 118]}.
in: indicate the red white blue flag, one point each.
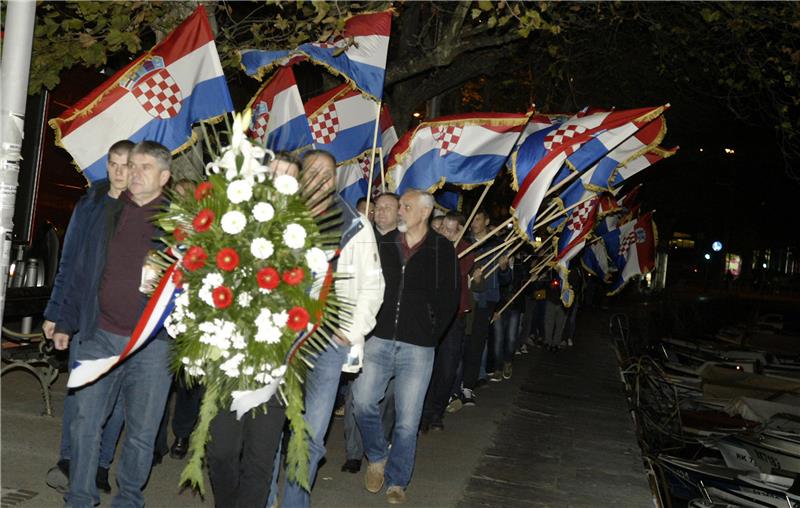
{"type": "Point", "coordinates": [358, 54]}
{"type": "Point", "coordinates": [547, 150]}
{"type": "Point", "coordinates": [157, 97]}
{"type": "Point", "coordinates": [467, 149]}
{"type": "Point", "coordinates": [632, 249]}
{"type": "Point", "coordinates": [278, 119]}
{"type": "Point", "coordinates": [342, 122]}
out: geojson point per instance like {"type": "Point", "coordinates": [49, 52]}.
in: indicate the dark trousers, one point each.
{"type": "Point", "coordinates": [184, 416]}
{"type": "Point", "coordinates": [241, 456]}
{"type": "Point", "coordinates": [473, 349]}
{"type": "Point", "coordinates": [445, 368]}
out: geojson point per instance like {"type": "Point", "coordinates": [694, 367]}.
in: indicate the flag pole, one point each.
{"type": "Point", "coordinates": [472, 214]}
{"type": "Point", "coordinates": [509, 253]}
{"type": "Point", "coordinates": [488, 253]}
{"type": "Point", "coordinates": [489, 235]}
{"type": "Point", "coordinates": [509, 302]}
{"type": "Point", "coordinates": [383, 170]}
{"type": "Point", "coordinates": [372, 159]}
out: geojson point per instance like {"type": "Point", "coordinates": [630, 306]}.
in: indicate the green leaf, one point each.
{"type": "Point", "coordinates": [492, 21]}
{"type": "Point", "coordinates": [710, 16]}
{"type": "Point", "coordinates": [485, 5]}
{"type": "Point", "coordinates": [475, 13]}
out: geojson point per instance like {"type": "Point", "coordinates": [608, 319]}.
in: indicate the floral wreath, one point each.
{"type": "Point", "coordinates": [254, 287]}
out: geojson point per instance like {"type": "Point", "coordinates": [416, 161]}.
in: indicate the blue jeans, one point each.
{"type": "Point", "coordinates": [321, 384]}
{"type": "Point", "coordinates": [445, 371]}
{"type": "Point", "coordinates": [354, 447]}
{"type": "Point", "coordinates": [142, 384]}
{"type": "Point", "coordinates": [506, 330]}
{"type": "Point", "coordinates": [111, 430]}
{"type": "Point", "coordinates": [411, 367]}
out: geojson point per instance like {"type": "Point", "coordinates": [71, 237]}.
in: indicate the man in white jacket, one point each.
{"type": "Point", "coordinates": [361, 284]}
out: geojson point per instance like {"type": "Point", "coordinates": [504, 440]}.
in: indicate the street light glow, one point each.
{"type": "Point", "coordinates": [716, 246]}
{"type": "Point", "coordinates": [707, 256]}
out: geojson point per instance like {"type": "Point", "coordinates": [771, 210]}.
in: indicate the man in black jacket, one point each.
{"type": "Point", "coordinates": [420, 301]}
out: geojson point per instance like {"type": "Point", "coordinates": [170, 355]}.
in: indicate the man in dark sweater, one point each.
{"type": "Point", "coordinates": [420, 301]}
{"type": "Point", "coordinates": [104, 304]}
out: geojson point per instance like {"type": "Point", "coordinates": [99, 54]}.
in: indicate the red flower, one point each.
{"type": "Point", "coordinates": [222, 297]}
{"type": "Point", "coordinates": [195, 258]}
{"type": "Point", "coordinates": [268, 278]}
{"type": "Point", "coordinates": [177, 278]}
{"type": "Point", "coordinates": [180, 234]}
{"type": "Point", "coordinates": [298, 319]}
{"type": "Point", "coordinates": [203, 220]}
{"type": "Point", "coordinates": [227, 259]}
{"type": "Point", "coordinates": [293, 276]}
{"type": "Point", "coordinates": [202, 191]}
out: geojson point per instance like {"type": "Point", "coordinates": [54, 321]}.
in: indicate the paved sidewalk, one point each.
{"type": "Point", "coordinates": [557, 434]}
{"type": "Point", "coordinates": [568, 440]}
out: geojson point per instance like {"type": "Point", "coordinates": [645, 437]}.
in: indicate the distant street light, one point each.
{"type": "Point", "coordinates": [716, 246]}
{"type": "Point", "coordinates": [729, 151]}
{"type": "Point", "coordinates": [707, 256]}
{"type": "Point", "coordinates": [416, 114]}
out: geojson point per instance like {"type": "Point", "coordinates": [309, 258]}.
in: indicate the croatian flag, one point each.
{"type": "Point", "coordinates": [448, 199]}
{"type": "Point", "coordinates": [278, 119]}
{"type": "Point", "coordinates": [579, 223]}
{"type": "Point", "coordinates": [634, 154]}
{"type": "Point", "coordinates": [538, 125]}
{"type": "Point", "coordinates": [608, 211]}
{"type": "Point", "coordinates": [358, 54]}
{"type": "Point", "coordinates": [547, 150]}
{"type": "Point", "coordinates": [629, 199]}
{"type": "Point", "coordinates": [342, 122]}
{"type": "Point", "coordinates": [602, 143]}
{"type": "Point", "coordinates": [464, 149]}
{"type": "Point", "coordinates": [632, 249]}
{"type": "Point", "coordinates": [157, 97]}
{"type": "Point", "coordinates": [595, 261]}
{"type": "Point", "coordinates": [352, 177]}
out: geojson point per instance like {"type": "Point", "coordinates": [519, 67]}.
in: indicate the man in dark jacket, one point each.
{"type": "Point", "coordinates": [82, 216]}
{"type": "Point", "coordinates": [104, 304]}
{"type": "Point", "coordinates": [420, 301]}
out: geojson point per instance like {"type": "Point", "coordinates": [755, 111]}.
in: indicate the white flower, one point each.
{"type": "Point", "coordinates": [240, 191]}
{"type": "Point", "coordinates": [248, 371]}
{"type": "Point", "coordinates": [264, 318]}
{"type": "Point", "coordinates": [210, 281]}
{"type": "Point", "coordinates": [233, 222]}
{"type": "Point", "coordinates": [316, 260]}
{"type": "Point", "coordinates": [279, 372]}
{"type": "Point", "coordinates": [263, 212]}
{"type": "Point", "coordinates": [294, 236]}
{"type": "Point", "coordinates": [286, 184]}
{"type": "Point", "coordinates": [231, 366]}
{"type": "Point", "coordinates": [213, 279]}
{"type": "Point", "coordinates": [268, 334]}
{"type": "Point", "coordinates": [218, 333]}
{"type": "Point", "coordinates": [263, 378]}
{"type": "Point", "coordinates": [261, 248]}
{"type": "Point", "coordinates": [195, 371]}
{"type": "Point", "coordinates": [185, 360]}
{"type": "Point", "coordinates": [238, 342]}
{"type": "Point", "coordinates": [244, 299]}
{"type": "Point", "coordinates": [280, 319]}
{"type": "Point", "coordinates": [228, 163]}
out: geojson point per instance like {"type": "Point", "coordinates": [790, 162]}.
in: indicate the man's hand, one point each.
{"type": "Point", "coordinates": [48, 328]}
{"type": "Point", "coordinates": [477, 275]}
{"type": "Point", "coordinates": [60, 341]}
{"type": "Point", "coordinates": [504, 262]}
{"type": "Point", "coordinates": [339, 338]}
{"type": "Point", "coordinates": [317, 182]}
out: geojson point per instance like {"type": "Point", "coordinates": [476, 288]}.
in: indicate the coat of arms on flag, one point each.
{"type": "Point", "coordinates": [580, 215]}
{"type": "Point", "coordinates": [447, 138]}
{"type": "Point", "coordinates": [325, 125]}
{"type": "Point", "coordinates": [154, 88]}
{"type": "Point", "coordinates": [260, 121]}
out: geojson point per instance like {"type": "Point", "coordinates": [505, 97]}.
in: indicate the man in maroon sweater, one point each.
{"type": "Point", "coordinates": [104, 304]}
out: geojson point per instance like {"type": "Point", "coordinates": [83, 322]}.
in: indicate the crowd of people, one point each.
{"type": "Point", "coordinates": [434, 317]}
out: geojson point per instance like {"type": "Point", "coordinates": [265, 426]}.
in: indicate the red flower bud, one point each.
{"type": "Point", "coordinates": [180, 234]}
{"type": "Point", "coordinates": [268, 278]}
{"type": "Point", "coordinates": [195, 258]}
{"type": "Point", "coordinates": [222, 296]}
{"type": "Point", "coordinates": [293, 276]}
{"type": "Point", "coordinates": [202, 191]}
{"type": "Point", "coordinates": [298, 319]}
{"type": "Point", "coordinates": [227, 259]}
{"type": "Point", "coordinates": [203, 220]}
{"type": "Point", "coordinates": [177, 278]}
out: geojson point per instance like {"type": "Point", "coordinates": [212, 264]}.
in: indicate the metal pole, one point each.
{"type": "Point", "coordinates": [14, 70]}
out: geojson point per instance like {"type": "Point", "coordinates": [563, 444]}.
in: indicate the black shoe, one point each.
{"type": "Point", "coordinates": [101, 480]}
{"type": "Point", "coordinates": [179, 448]}
{"type": "Point", "coordinates": [351, 466]}
{"type": "Point", "coordinates": [437, 426]}
{"type": "Point", "coordinates": [157, 458]}
{"type": "Point", "coordinates": [424, 427]}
